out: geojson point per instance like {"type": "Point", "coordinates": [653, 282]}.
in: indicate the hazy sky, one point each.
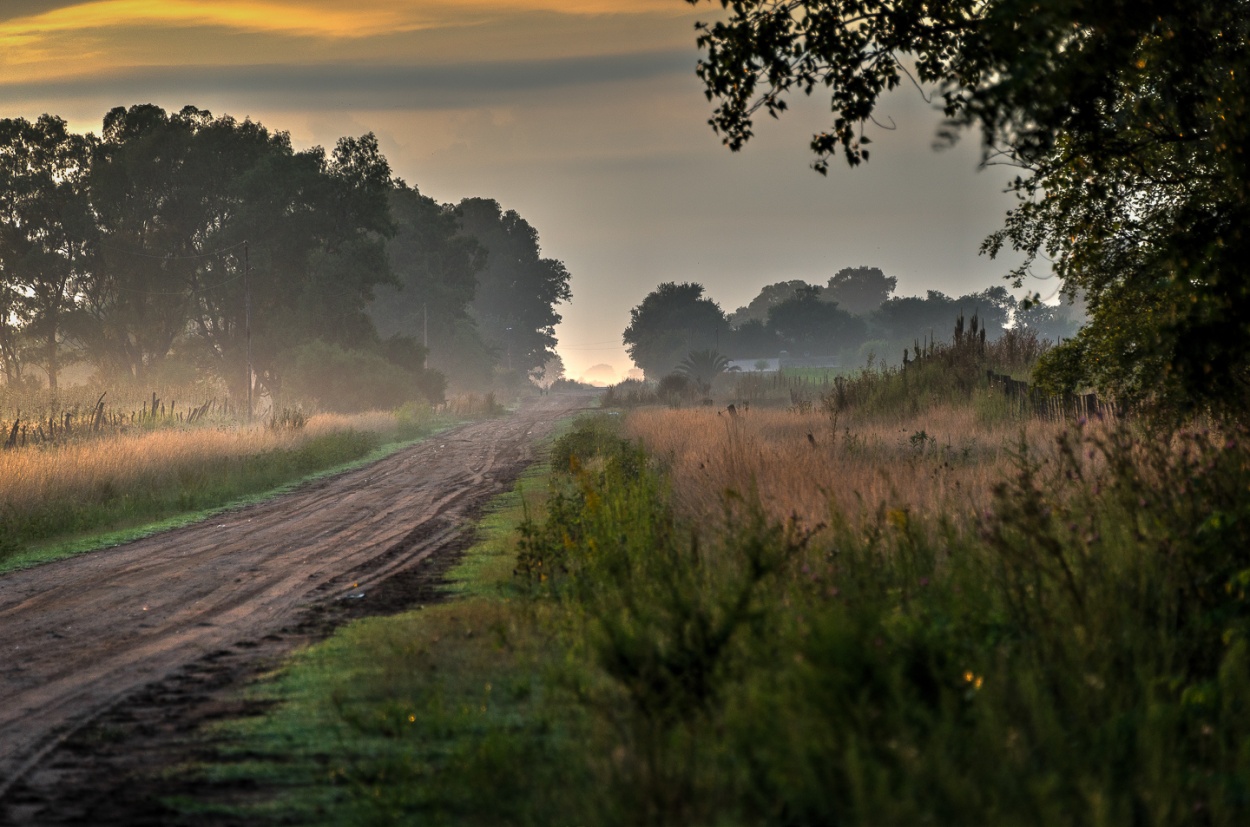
{"type": "Point", "coordinates": [582, 115]}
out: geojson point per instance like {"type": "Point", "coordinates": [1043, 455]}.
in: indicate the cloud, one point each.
{"type": "Point", "coordinates": [25, 21]}
{"type": "Point", "coordinates": [354, 86]}
{"type": "Point", "coordinates": [274, 16]}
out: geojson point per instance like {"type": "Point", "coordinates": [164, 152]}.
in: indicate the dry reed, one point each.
{"type": "Point", "coordinates": [803, 463]}
{"type": "Point", "coordinates": [105, 467]}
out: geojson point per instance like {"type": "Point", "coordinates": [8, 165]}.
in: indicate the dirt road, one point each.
{"type": "Point", "coordinates": [80, 638]}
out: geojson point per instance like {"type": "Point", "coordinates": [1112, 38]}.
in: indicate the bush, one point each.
{"type": "Point", "coordinates": [676, 388]}
{"type": "Point", "coordinates": [1077, 654]}
{"type": "Point", "coordinates": [628, 394]}
{"type": "Point", "coordinates": [337, 379]}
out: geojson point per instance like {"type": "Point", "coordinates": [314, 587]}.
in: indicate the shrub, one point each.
{"type": "Point", "coordinates": [676, 388]}
{"type": "Point", "coordinates": [1078, 653]}
{"type": "Point", "coordinates": [628, 394]}
{"type": "Point", "coordinates": [338, 379]}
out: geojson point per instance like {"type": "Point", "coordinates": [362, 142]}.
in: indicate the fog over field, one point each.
{"type": "Point", "coordinates": [584, 117]}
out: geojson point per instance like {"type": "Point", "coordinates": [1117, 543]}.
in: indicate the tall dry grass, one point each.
{"type": "Point", "coordinates": [804, 463]}
{"type": "Point", "coordinates": [99, 482]}
{"type": "Point", "coordinates": [170, 458]}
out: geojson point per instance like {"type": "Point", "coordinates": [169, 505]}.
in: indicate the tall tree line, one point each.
{"type": "Point", "coordinates": [152, 244]}
{"type": "Point", "coordinates": [854, 315]}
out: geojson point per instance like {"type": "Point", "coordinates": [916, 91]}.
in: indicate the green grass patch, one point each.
{"type": "Point", "coordinates": [439, 715]}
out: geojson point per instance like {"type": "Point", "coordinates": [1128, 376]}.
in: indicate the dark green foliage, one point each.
{"type": "Point", "coordinates": [676, 388]}
{"type": "Point", "coordinates": [142, 250]}
{"type": "Point", "coordinates": [807, 325]}
{"type": "Point", "coordinates": [905, 317]}
{"type": "Point", "coordinates": [628, 394]}
{"type": "Point", "coordinates": [673, 320]}
{"type": "Point", "coordinates": [594, 436]}
{"type": "Point", "coordinates": [437, 269]}
{"type": "Point", "coordinates": [518, 290]}
{"type": "Point", "coordinates": [177, 196]}
{"type": "Point", "coordinates": [47, 236]}
{"type": "Point", "coordinates": [702, 367]}
{"type": "Point", "coordinates": [859, 290]}
{"type": "Point", "coordinates": [338, 379]}
{"type": "Point", "coordinates": [753, 339]}
{"type": "Point", "coordinates": [769, 297]}
{"type": "Point", "coordinates": [1128, 121]}
{"type": "Point", "coordinates": [1078, 654]}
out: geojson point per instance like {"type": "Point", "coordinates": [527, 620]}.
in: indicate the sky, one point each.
{"type": "Point", "coordinates": [584, 116]}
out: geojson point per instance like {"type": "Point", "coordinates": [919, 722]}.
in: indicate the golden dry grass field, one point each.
{"type": "Point", "coordinates": [166, 458]}
{"type": "Point", "coordinates": [802, 464]}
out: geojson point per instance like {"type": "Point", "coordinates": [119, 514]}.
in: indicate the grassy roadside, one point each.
{"type": "Point", "coordinates": [438, 715]}
{"type": "Point", "coordinates": [189, 476]}
{"type": "Point", "coordinates": [1075, 649]}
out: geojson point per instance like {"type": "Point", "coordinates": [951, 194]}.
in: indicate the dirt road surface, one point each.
{"type": "Point", "coordinates": [108, 635]}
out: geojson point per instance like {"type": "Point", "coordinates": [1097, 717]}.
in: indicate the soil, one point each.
{"type": "Point", "coordinates": [110, 661]}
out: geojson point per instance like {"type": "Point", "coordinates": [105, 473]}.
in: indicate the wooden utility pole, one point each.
{"type": "Point", "coordinates": [247, 323]}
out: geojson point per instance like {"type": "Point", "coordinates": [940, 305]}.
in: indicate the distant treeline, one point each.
{"type": "Point", "coordinates": [156, 249]}
{"type": "Point", "coordinates": [853, 316]}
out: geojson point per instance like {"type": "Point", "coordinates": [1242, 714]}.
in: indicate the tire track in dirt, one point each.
{"type": "Point", "coordinates": [80, 638]}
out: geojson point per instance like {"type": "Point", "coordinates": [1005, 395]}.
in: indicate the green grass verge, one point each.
{"type": "Point", "coordinates": [69, 530]}
{"type": "Point", "coordinates": [421, 717]}
{"type": "Point", "coordinates": [1078, 653]}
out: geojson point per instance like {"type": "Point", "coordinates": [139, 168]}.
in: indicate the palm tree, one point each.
{"type": "Point", "coordinates": [702, 367]}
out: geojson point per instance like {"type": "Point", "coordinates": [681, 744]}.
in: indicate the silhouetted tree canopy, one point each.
{"type": "Point", "coordinates": [1051, 322]}
{"type": "Point", "coordinates": [518, 289]}
{"type": "Point", "coordinates": [1128, 122]}
{"type": "Point", "coordinates": [671, 322]}
{"type": "Point", "coordinates": [806, 325]}
{"type": "Point", "coordinates": [859, 290]}
{"type": "Point", "coordinates": [907, 318]}
{"type": "Point", "coordinates": [128, 250]}
{"type": "Point", "coordinates": [752, 340]}
{"type": "Point", "coordinates": [768, 298]}
{"type": "Point", "coordinates": [437, 268]}
{"type": "Point", "coordinates": [47, 239]}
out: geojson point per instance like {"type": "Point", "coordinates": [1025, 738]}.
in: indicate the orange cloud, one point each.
{"type": "Point", "coordinates": [291, 18]}
{"type": "Point", "coordinates": [94, 36]}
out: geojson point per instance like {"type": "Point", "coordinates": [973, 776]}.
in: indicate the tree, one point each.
{"type": "Point", "coordinates": [752, 339]}
{"type": "Point", "coordinates": [1129, 122]}
{"type": "Point", "coordinates": [436, 267]}
{"type": "Point", "coordinates": [1050, 322]}
{"type": "Point", "coordinates": [908, 318]}
{"type": "Point", "coordinates": [808, 325]}
{"type": "Point", "coordinates": [702, 367]}
{"type": "Point", "coordinates": [994, 307]}
{"type": "Point", "coordinates": [547, 375]}
{"type": "Point", "coordinates": [860, 290]}
{"type": "Point", "coordinates": [768, 298]}
{"type": "Point", "coordinates": [518, 289]}
{"type": "Point", "coordinates": [47, 237]}
{"type": "Point", "coordinates": [670, 322]}
{"type": "Point", "coordinates": [180, 197]}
